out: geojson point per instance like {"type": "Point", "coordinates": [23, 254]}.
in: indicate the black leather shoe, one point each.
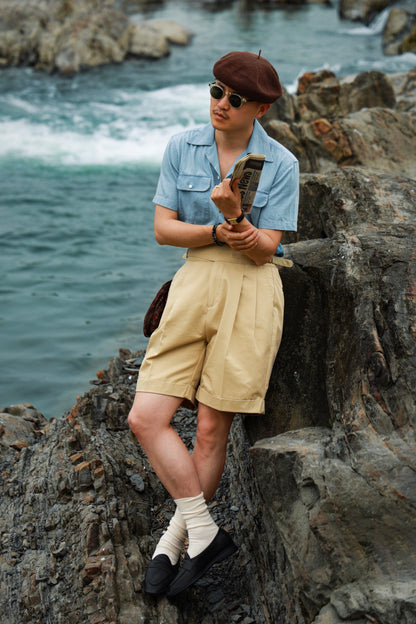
{"type": "Point", "coordinates": [159, 574]}
{"type": "Point", "coordinates": [222, 546]}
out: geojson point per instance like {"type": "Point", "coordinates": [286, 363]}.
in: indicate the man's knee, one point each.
{"type": "Point", "coordinates": [212, 430]}
{"type": "Point", "coordinates": [139, 421]}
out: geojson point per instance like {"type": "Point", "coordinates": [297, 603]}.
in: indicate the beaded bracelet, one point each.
{"type": "Point", "coordinates": [214, 235]}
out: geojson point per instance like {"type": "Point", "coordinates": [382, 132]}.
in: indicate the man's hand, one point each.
{"type": "Point", "coordinates": [227, 198]}
{"type": "Point", "coordinates": [242, 240]}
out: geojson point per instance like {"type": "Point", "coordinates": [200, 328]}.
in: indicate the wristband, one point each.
{"type": "Point", "coordinates": [235, 220]}
{"type": "Point", "coordinates": [214, 236]}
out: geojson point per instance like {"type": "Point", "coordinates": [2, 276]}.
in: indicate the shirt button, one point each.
{"type": "Point", "coordinates": [190, 186]}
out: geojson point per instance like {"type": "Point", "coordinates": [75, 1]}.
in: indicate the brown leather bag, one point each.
{"type": "Point", "coordinates": [155, 311]}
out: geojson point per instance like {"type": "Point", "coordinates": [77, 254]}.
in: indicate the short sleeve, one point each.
{"type": "Point", "coordinates": [280, 209]}
{"type": "Point", "coordinates": [166, 191]}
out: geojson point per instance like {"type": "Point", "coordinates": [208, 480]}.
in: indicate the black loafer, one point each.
{"type": "Point", "coordinates": [222, 546]}
{"type": "Point", "coordinates": [159, 574]}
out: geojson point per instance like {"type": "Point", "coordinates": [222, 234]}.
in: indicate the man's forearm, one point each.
{"type": "Point", "coordinates": [182, 234]}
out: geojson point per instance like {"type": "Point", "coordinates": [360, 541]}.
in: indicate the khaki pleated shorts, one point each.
{"type": "Point", "coordinates": [219, 333]}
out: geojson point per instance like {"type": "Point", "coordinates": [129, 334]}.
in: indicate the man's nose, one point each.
{"type": "Point", "coordinates": [224, 102]}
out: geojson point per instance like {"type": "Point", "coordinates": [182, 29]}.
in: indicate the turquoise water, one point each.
{"type": "Point", "coordinates": [79, 162]}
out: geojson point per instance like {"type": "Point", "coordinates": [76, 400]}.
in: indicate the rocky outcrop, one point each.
{"type": "Point", "coordinates": [399, 34]}
{"type": "Point", "coordinates": [71, 35]}
{"type": "Point", "coordinates": [334, 457]}
{"type": "Point", "coordinates": [357, 121]}
{"type": "Point", "coordinates": [81, 511]}
{"type": "Point", "coordinates": [337, 469]}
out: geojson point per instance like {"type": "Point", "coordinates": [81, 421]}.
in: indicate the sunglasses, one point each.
{"type": "Point", "coordinates": [217, 92]}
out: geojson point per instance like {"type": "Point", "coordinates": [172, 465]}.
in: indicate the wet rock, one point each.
{"type": "Point", "coordinates": [173, 32]}
{"type": "Point", "coordinates": [399, 34]}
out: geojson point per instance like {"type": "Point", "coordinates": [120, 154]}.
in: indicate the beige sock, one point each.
{"type": "Point", "coordinates": [200, 526]}
{"type": "Point", "coordinates": [173, 539]}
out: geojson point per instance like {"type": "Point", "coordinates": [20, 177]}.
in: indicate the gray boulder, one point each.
{"type": "Point", "coordinates": [57, 35]}
{"type": "Point", "coordinates": [334, 456]}
{"type": "Point", "coordinates": [399, 33]}
{"type": "Point", "coordinates": [340, 496]}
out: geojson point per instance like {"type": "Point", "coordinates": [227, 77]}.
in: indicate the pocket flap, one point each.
{"type": "Point", "coordinates": [193, 182]}
{"type": "Point", "coordinates": [260, 199]}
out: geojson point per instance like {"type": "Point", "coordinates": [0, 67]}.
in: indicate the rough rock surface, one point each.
{"type": "Point", "coordinates": [337, 469]}
{"type": "Point", "coordinates": [81, 513]}
{"type": "Point", "coordinates": [335, 455]}
{"type": "Point", "coordinates": [399, 33]}
{"type": "Point", "coordinates": [70, 35]}
{"type": "Point", "coordinates": [354, 121]}
{"type": "Point", "coordinates": [320, 492]}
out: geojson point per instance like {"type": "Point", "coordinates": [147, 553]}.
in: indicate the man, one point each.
{"type": "Point", "coordinates": [222, 324]}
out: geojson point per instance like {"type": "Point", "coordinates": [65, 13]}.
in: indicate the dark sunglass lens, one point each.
{"type": "Point", "coordinates": [235, 100]}
{"type": "Point", "coordinates": [216, 92]}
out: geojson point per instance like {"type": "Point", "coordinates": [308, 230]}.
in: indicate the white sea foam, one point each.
{"type": "Point", "coordinates": [134, 128]}
{"type": "Point", "coordinates": [21, 139]}
{"type": "Point", "coordinates": [375, 28]}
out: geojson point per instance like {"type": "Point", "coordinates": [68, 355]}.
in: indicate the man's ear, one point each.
{"type": "Point", "coordinates": [262, 109]}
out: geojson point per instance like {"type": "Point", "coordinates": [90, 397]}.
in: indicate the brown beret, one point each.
{"type": "Point", "coordinates": [250, 75]}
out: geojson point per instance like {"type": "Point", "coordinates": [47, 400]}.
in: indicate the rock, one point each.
{"type": "Point", "coordinates": [278, 4]}
{"type": "Point", "coordinates": [70, 35]}
{"type": "Point", "coordinates": [362, 10]}
{"type": "Point", "coordinates": [20, 426]}
{"type": "Point", "coordinates": [103, 38]}
{"type": "Point", "coordinates": [350, 122]}
{"type": "Point", "coordinates": [147, 42]}
{"type": "Point", "coordinates": [322, 94]}
{"type": "Point", "coordinates": [399, 34]}
{"type": "Point", "coordinates": [334, 455]}
{"type": "Point", "coordinates": [339, 497]}
{"type": "Point", "coordinates": [405, 90]}
{"type": "Point", "coordinates": [91, 510]}
{"type": "Point", "coordinates": [173, 32]}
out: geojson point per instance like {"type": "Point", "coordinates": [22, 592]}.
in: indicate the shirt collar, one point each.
{"type": "Point", "coordinates": [258, 144]}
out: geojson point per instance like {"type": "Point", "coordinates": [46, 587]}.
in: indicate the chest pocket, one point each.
{"type": "Point", "coordinates": [194, 194]}
{"type": "Point", "coordinates": [260, 200]}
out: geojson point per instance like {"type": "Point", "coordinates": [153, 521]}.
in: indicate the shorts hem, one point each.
{"type": "Point", "coordinates": [169, 389]}
{"type": "Point", "coordinates": [240, 406]}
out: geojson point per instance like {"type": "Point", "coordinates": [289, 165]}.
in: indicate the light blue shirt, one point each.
{"type": "Point", "coordinates": [190, 170]}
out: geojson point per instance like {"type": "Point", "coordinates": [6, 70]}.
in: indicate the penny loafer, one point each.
{"type": "Point", "coordinates": [222, 546]}
{"type": "Point", "coordinates": [159, 574]}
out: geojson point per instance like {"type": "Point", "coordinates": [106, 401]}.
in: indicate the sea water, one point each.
{"type": "Point", "coordinates": [79, 161]}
